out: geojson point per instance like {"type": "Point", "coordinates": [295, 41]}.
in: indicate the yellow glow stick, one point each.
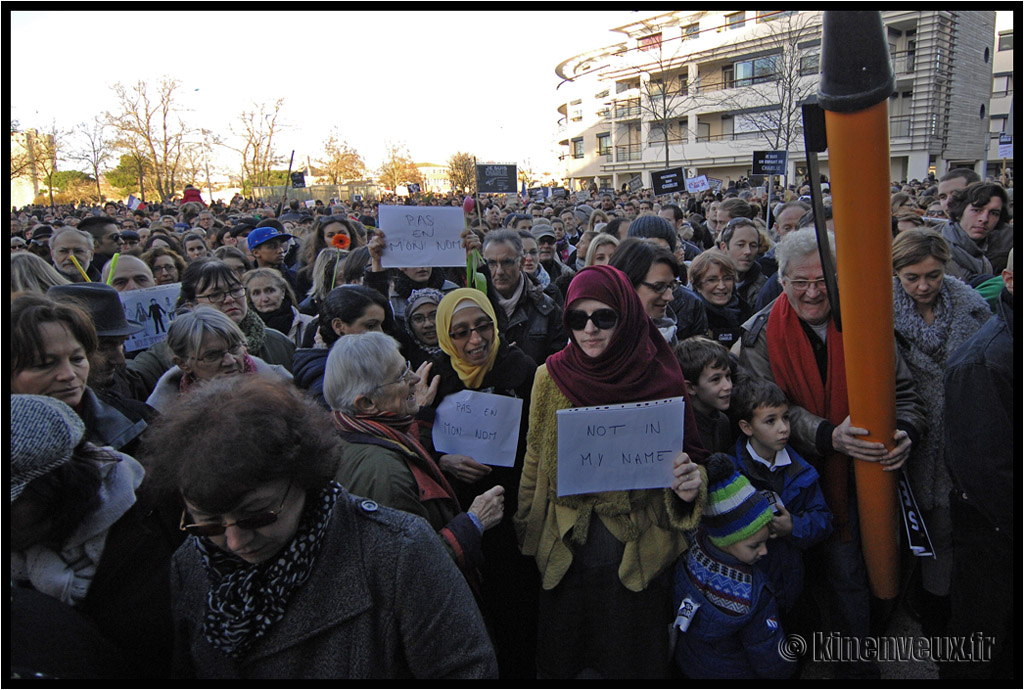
{"type": "Point", "coordinates": [113, 267]}
{"type": "Point", "coordinates": [81, 270]}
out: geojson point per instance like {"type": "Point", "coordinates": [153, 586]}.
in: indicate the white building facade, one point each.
{"type": "Point", "coordinates": [705, 90]}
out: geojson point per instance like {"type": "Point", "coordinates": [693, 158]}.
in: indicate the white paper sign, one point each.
{"type": "Point", "coordinates": [153, 307]}
{"type": "Point", "coordinates": [697, 184]}
{"type": "Point", "coordinates": [1006, 146]}
{"type": "Point", "coordinates": [483, 426]}
{"type": "Point", "coordinates": [618, 447]}
{"type": "Point", "coordinates": [422, 236]}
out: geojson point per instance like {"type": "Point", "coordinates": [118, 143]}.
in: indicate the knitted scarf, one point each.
{"type": "Point", "coordinates": [959, 313]}
{"type": "Point", "coordinates": [796, 372]}
{"type": "Point", "coordinates": [400, 430]}
{"type": "Point", "coordinates": [246, 599]}
{"type": "Point", "coordinates": [279, 319]}
{"type": "Point", "coordinates": [189, 380]}
{"type": "Point", "coordinates": [255, 331]}
{"type": "Point", "coordinates": [67, 574]}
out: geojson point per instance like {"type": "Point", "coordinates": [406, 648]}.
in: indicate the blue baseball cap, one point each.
{"type": "Point", "coordinates": [263, 234]}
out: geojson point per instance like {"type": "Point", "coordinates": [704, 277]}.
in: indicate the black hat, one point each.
{"type": "Point", "coordinates": [104, 305]}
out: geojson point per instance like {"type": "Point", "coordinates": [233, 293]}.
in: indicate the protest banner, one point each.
{"type": "Point", "coordinates": [618, 447]}
{"type": "Point", "coordinates": [153, 307]}
{"type": "Point", "coordinates": [697, 184]}
{"type": "Point", "coordinates": [667, 181]}
{"type": "Point", "coordinates": [496, 178]}
{"type": "Point", "coordinates": [483, 426]}
{"type": "Point", "coordinates": [636, 182]}
{"type": "Point", "coordinates": [422, 236]}
{"type": "Point", "coordinates": [769, 163]}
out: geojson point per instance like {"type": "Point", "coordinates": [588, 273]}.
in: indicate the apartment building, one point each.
{"type": "Point", "coordinates": [1001, 106]}
{"type": "Point", "coordinates": [705, 90]}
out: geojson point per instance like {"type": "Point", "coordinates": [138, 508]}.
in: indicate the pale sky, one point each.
{"type": "Point", "coordinates": [440, 82]}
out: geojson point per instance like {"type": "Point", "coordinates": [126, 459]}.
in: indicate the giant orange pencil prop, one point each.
{"type": "Point", "coordinates": [856, 82]}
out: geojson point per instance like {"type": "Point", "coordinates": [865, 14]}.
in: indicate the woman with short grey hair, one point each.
{"type": "Point", "coordinates": [205, 344]}
{"type": "Point", "coordinates": [375, 396]}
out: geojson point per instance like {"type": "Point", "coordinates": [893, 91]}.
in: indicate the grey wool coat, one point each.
{"type": "Point", "coordinates": [384, 600]}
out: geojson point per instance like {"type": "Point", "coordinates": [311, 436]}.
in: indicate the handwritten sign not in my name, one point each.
{"type": "Point", "coordinates": [422, 236]}
{"type": "Point", "coordinates": [618, 447]}
{"type": "Point", "coordinates": [483, 426]}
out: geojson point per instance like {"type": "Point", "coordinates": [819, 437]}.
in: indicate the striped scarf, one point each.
{"type": "Point", "coordinates": [399, 430]}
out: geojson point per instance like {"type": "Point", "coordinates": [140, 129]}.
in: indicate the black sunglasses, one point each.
{"type": "Point", "coordinates": [576, 319]}
{"type": "Point", "coordinates": [215, 529]}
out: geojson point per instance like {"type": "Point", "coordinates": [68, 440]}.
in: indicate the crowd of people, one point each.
{"type": "Point", "coordinates": [258, 494]}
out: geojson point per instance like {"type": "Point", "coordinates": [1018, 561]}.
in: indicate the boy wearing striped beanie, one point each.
{"type": "Point", "coordinates": [727, 622]}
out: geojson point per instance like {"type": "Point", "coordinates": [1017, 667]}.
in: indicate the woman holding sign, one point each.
{"type": "Point", "coordinates": [375, 396]}
{"type": "Point", "coordinates": [604, 557]}
{"type": "Point", "coordinates": [475, 358]}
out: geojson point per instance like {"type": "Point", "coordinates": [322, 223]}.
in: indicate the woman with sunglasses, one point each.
{"type": "Point", "coordinates": [212, 283]}
{"type": "Point", "coordinates": [205, 344]}
{"type": "Point", "coordinates": [474, 357]}
{"type": "Point", "coordinates": [604, 557]}
{"type": "Point", "coordinates": [287, 575]}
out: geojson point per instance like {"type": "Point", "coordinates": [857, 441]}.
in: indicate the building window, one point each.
{"type": "Point", "coordinates": [626, 85]}
{"type": "Point", "coordinates": [735, 20]}
{"type": "Point", "coordinates": [768, 16]}
{"type": "Point", "coordinates": [1006, 41]}
{"type": "Point", "coordinates": [809, 65]}
{"type": "Point", "coordinates": [649, 42]}
{"type": "Point", "coordinates": [691, 31]}
{"type": "Point", "coordinates": [747, 72]}
{"type": "Point", "coordinates": [603, 94]}
{"type": "Point", "coordinates": [604, 144]}
{"type": "Point", "coordinates": [577, 148]}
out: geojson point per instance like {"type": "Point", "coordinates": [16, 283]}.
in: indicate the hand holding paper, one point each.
{"type": "Point", "coordinates": [464, 468]}
{"type": "Point", "coordinates": [686, 478]}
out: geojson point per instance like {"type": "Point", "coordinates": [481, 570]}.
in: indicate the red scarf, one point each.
{"type": "Point", "coordinates": [401, 431]}
{"type": "Point", "coordinates": [796, 372]}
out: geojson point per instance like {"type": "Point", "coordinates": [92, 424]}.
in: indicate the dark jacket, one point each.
{"type": "Point", "coordinates": [715, 431]}
{"type": "Point", "coordinates": [980, 420]}
{"type": "Point", "coordinates": [383, 600]}
{"type": "Point", "coordinates": [114, 423]}
{"type": "Point", "coordinates": [752, 283]}
{"type": "Point", "coordinates": [968, 260]}
{"type": "Point", "coordinates": [738, 644]}
{"type": "Point", "coordinates": [308, 367]}
{"type": "Point", "coordinates": [725, 323]}
{"type": "Point", "coordinates": [797, 486]}
{"type": "Point", "coordinates": [536, 323]}
{"type": "Point", "coordinates": [691, 316]}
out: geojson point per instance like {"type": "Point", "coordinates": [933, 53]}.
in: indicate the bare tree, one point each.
{"type": "Point", "coordinates": [341, 162]}
{"type": "Point", "coordinates": [398, 167]}
{"type": "Point", "coordinates": [47, 147]}
{"type": "Point", "coordinates": [95, 149]}
{"type": "Point", "coordinates": [149, 127]}
{"type": "Point", "coordinates": [258, 127]}
{"type": "Point", "coordinates": [21, 152]}
{"type": "Point", "coordinates": [462, 172]}
{"type": "Point", "coordinates": [767, 100]}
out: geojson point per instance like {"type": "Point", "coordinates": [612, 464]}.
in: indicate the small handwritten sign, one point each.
{"type": "Point", "coordinates": [697, 184]}
{"type": "Point", "coordinates": [153, 307]}
{"type": "Point", "coordinates": [483, 426]}
{"type": "Point", "coordinates": [636, 182]}
{"type": "Point", "coordinates": [618, 447]}
{"type": "Point", "coordinates": [422, 236]}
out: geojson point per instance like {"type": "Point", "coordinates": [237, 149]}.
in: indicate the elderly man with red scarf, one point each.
{"type": "Point", "coordinates": [794, 342]}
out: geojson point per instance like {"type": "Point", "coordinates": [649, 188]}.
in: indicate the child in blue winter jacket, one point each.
{"type": "Point", "coordinates": [727, 622]}
{"type": "Point", "coordinates": [764, 456]}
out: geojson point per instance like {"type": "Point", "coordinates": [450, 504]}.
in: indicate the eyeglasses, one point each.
{"type": "Point", "coordinates": [661, 287]}
{"type": "Point", "coordinates": [804, 285]}
{"type": "Point", "coordinates": [115, 236]}
{"type": "Point", "coordinates": [604, 319]}
{"type": "Point", "coordinates": [171, 268]}
{"type": "Point", "coordinates": [404, 378]}
{"type": "Point", "coordinates": [420, 319]}
{"type": "Point", "coordinates": [218, 296]}
{"type": "Point", "coordinates": [504, 263]}
{"type": "Point", "coordinates": [216, 356]}
{"type": "Point", "coordinates": [721, 280]}
{"type": "Point", "coordinates": [481, 329]}
{"type": "Point", "coordinates": [531, 252]}
{"type": "Point", "coordinates": [215, 529]}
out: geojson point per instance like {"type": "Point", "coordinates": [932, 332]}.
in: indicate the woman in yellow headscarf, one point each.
{"type": "Point", "coordinates": [475, 358]}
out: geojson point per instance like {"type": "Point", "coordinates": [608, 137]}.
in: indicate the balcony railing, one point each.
{"type": "Point", "coordinates": [899, 126]}
{"type": "Point", "coordinates": [628, 152]}
{"type": "Point", "coordinates": [672, 141]}
{"type": "Point", "coordinates": [627, 112]}
{"type": "Point", "coordinates": [903, 62]}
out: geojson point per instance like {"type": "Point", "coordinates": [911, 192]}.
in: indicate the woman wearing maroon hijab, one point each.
{"type": "Point", "coordinates": [605, 603]}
